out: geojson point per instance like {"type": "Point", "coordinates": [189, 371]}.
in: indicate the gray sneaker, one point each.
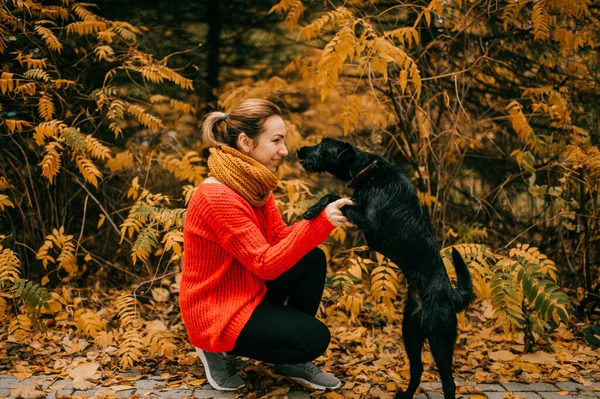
{"type": "Point", "coordinates": [220, 370]}
{"type": "Point", "coordinates": [309, 375]}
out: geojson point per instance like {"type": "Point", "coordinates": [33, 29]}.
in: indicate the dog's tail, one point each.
{"type": "Point", "coordinates": [463, 294]}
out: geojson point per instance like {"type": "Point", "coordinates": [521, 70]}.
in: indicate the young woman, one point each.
{"type": "Point", "coordinates": [242, 262]}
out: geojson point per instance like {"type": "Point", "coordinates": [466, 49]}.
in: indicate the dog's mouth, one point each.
{"type": "Point", "coordinates": [308, 166]}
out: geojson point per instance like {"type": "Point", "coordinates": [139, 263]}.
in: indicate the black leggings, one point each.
{"type": "Point", "coordinates": [290, 334]}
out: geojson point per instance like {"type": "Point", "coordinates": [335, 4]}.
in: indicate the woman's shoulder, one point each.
{"type": "Point", "coordinates": [214, 192]}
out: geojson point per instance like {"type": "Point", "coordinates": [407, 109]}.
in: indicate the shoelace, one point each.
{"type": "Point", "coordinates": [230, 363]}
{"type": "Point", "coordinates": [311, 368]}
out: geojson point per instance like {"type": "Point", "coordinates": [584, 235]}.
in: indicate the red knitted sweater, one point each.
{"type": "Point", "coordinates": [231, 249]}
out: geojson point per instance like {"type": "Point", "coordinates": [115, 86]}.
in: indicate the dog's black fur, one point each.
{"type": "Point", "coordinates": [389, 213]}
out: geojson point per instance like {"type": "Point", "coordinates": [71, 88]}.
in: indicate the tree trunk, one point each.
{"type": "Point", "coordinates": [213, 42]}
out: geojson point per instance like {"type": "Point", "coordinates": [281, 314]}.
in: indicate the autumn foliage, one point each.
{"type": "Point", "coordinates": [487, 106]}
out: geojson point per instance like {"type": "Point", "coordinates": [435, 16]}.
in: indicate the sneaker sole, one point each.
{"type": "Point", "coordinates": [212, 382]}
{"type": "Point", "coordinates": [312, 385]}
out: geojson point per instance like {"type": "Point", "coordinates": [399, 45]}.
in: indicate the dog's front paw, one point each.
{"type": "Point", "coordinates": [312, 212]}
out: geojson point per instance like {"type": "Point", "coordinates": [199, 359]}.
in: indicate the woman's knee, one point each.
{"type": "Point", "coordinates": [317, 259]}
{"type": "Point", "coordinates": [316, 340]}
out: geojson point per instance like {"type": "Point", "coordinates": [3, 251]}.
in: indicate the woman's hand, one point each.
{"type": "Point", "coordinates": [335, 215]}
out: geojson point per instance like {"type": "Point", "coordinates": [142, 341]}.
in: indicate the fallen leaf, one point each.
{"type": "Point", "coordinates": [196, 383]}
{"type": "Point", "coordinates": [81, 384]}
{"type": "Point", "coordinates": [512, 395]}
{"type": "Point", "coordinates": [333, 395]}
{"type": "Point", "coordinates": [160, 294]}
{"type": "Point", "coordinates": [539, 357]}
{"type": "Point", "coordinates": [27, 392]}
{"type": "Point", "coordinates": [84, 370]}
{"type": "Point", "coordinates": [562, 393]}
{"type": "Point", "coordinates": [502, 356]}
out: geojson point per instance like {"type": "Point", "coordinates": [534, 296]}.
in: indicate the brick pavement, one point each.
{"type": "Point", "coordinates": [153, 388]}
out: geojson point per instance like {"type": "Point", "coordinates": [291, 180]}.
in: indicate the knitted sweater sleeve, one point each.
{"type": "Point", "coordinates": [280, 229]}
{"type": "Point", "coordinates": [232, 222]}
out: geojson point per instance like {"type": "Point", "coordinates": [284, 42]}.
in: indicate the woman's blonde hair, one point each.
{"type": "Point", "coordinates": [247, 117]}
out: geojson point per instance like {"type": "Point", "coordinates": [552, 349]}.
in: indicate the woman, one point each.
{"type": "Point", "coordinates": [242, 262]}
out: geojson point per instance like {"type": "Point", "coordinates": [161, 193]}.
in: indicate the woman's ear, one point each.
{"type": "Point", "coordinates": [244, 143]}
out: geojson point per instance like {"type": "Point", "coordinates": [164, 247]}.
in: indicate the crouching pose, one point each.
{"type": "Point", "coordinates": [242, 262]}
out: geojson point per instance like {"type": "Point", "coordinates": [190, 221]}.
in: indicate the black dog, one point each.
{"type": "Point", "coordinates": [389, 213]}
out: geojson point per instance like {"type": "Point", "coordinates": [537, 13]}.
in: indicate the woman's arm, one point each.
{"type": "Point", "coordinates": [232, 222]}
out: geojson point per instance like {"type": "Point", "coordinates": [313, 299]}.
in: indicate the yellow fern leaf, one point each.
{"type": "Point", "coordinates": [407, 36]}
{"type": "Point", "coordinates": [50, 129]}
{"type": "Point", "coordinates": [49, 38]}
{"type": "Point", "coordinates": [296, 11]}
{"type": "Point", "coordinates": [158, 98]}
{"type": "Point", "coordinates": [7, 83]}
{"type": "Point", "coordinates": [121, 161]}
{"type": "Point", "coordinates": [511, 12]}
{"type": "Point", "coordinates": [172, 240]}
{"type": "Point", "coordinates": [10, 265]}
{"type": "Point", "coordinates": [180, 106]}
{"type": "Point", "coordinates": [20, 327]}
{"type": "Point", "coordinates": [533, 255]}
{"type": "Point", "coordinates": [83, 13]}
{"type": "Point", "coordinates": [31, 62]}
{"type": "Point", "coordinates": [339, 16]}
{"type": "Point", "coordinates": [187, 168]}
{"type": "Point", "coordinates": [59, 83]}
{"type": "Point", "coordinates": [17, 125]}
{"type": "Point", "coordinates": [343, 46]}
{"type": "Point", "coordinates": [57, 11]}
{"type": "Point", "coordinates": [282, 6]}
{"type": "Point", "coordinates": [37, 74]}
{"type": "Point", "coordinates": [143, 117]}
{"type": "Point", "coordinates": [521, 125]}
{"type": "Point", "coordinates": [96, 148]}
{"type": "Point", "coordinates": [541, 30]}
{"type": "Point", "coordinates": [88, 322]}
{"type": "Point", "coordinates": [130, 348]}
{"type": "Point", "coordinates": [46, 107]}
{"type": "Point", "coordinates": [83, 28]}
{"type": "Point", "coordinates": [145, 242]}
{"type": "Point", "coordinates": [188, 192]}
{"type": "Point", "coordinates": [350, 114]}
{"type": "Point", "coordinates": [105, 339]}
{"type": "Point", "coordinates": [126, 30]}
{"type": "Point", "coordinates": [104, 52]}
{"type": "Point", "coordinates": [159, 340]}
{"type": "Point", "coordinates": [52, 160]}
{"type": "Point", "coordinates": [176, 78]}
{"type": "Point", "coordinates": [127, 310]}
{"type": "Point", "coordinates": [4, 201]}
{"type": "Point", "coordinates": [88, 170]}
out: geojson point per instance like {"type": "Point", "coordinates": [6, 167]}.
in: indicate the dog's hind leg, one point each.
{"type": "Point", "coordinates": [414, 337]}
{"type": "Point", "coordinates": [442, 349]}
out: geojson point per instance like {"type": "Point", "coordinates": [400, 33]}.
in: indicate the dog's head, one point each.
{"type": "Point", "coordinates": [330, 155]}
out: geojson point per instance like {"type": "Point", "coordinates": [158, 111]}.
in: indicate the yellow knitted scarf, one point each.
{"type": "Point", "coordinates": [245, 175]}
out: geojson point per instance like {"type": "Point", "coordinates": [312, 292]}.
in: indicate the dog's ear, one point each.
{"type": "Point", "coordinates": [347, 153]}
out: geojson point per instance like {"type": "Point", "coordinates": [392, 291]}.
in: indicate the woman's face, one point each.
{"type": "Point", "coordinates": [269, 148]}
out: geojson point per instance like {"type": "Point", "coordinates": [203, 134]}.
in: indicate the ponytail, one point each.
{"type": "Point", "coordinates": [213, 131]}
{"type": "Point", "coordinates": [247, 117]}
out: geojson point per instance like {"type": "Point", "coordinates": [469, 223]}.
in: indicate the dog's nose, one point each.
{"type": "Point", "coordinates": [300, 152]}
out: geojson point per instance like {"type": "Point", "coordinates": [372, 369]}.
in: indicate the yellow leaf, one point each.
{"type": "Point", "coordinates": [502, 356]}
{"type": "Point", "coordinates": [101, 221]}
